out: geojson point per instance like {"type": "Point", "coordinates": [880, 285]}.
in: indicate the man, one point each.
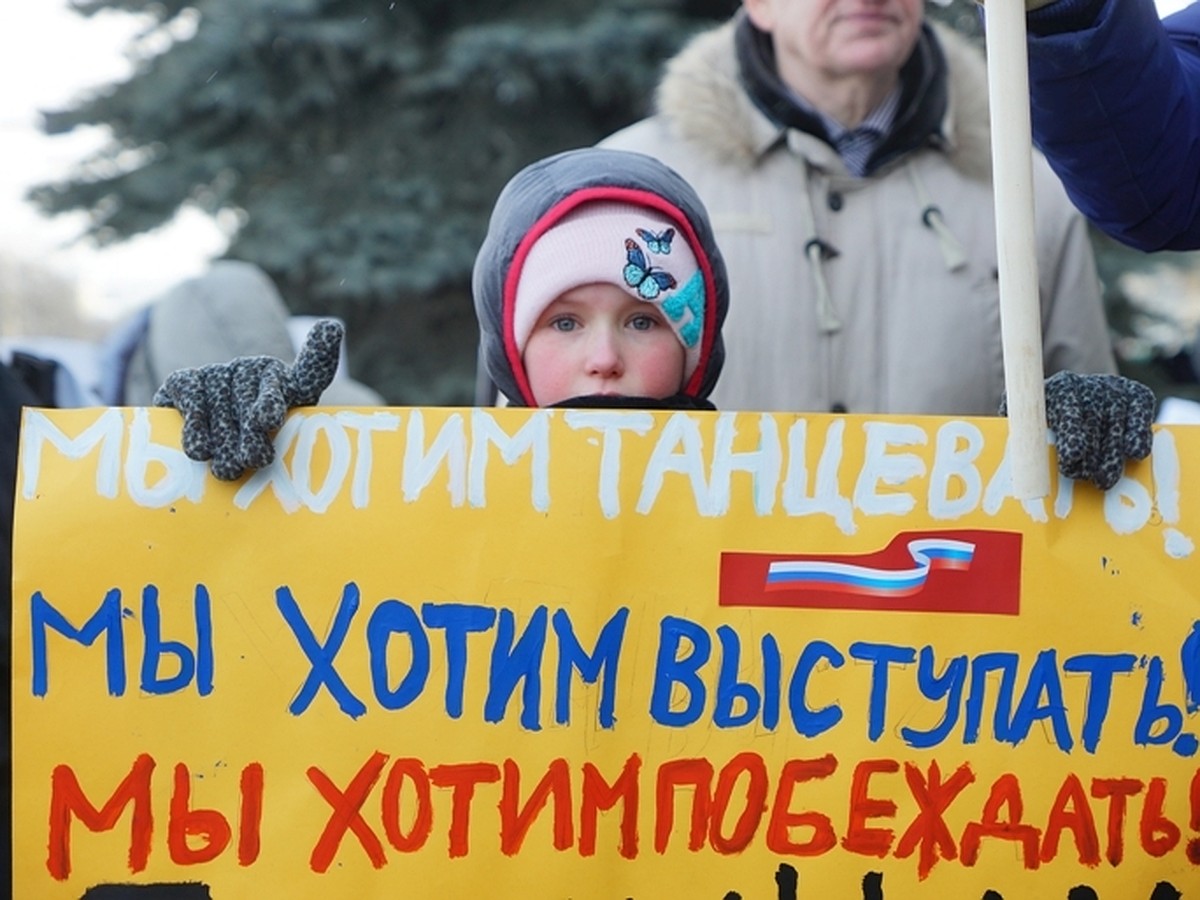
{"type": "Point", "coordinates": [1116, 108]}
{"type": "Point", "coordinates": [842, 148]}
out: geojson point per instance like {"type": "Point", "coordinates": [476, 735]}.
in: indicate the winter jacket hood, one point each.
{"type": "Point", "coordinates": [233, 309]}
{"type": "Point", "coordinates": [541, 195]}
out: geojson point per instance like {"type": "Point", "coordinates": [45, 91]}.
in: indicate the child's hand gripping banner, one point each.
{"type": "Point", "coordinates": [601, 655]}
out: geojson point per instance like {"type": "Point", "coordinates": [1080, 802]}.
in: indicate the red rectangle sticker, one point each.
{"type": "Point", "coordinates": [969, 571]}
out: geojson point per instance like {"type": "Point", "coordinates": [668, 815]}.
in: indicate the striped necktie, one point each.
{"type": "Point", "coordinates": [855, 147]}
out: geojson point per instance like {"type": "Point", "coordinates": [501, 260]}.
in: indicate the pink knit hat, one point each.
{"type": "Point", "coordinates": [608, 242]}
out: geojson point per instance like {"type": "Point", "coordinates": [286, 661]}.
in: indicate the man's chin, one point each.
{"type": "Point", "coordinates": [871, 55]}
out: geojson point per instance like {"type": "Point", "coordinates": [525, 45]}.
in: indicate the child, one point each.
{"type": "Point", "coordinates": [599, 284]}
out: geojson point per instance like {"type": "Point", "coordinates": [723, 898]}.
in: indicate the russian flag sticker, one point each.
{"type": "Point", "coordinates": [927, 571]}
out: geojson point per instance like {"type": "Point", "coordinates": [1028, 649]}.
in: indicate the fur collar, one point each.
{"type": "Point", "coordinates": [703, 101]}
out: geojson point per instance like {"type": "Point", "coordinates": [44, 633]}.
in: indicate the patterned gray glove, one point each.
{"type": "Point", "coordinates": [230, 409]}
{"type": "Point", "coordinates": [1098, 421]}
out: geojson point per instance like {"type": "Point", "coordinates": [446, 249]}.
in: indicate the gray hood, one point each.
{"type": "Point", "coordinates": [544, 192]}
{"type": "Point", "coordinates": [233, 309]}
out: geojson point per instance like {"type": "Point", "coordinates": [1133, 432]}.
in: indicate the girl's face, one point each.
{"type": "Point", "coordinates": [598, 339]}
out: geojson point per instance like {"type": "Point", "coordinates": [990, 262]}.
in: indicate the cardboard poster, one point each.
{"type": "Point", "coordinates": [600, 655]}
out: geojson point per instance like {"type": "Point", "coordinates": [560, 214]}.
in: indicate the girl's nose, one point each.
{"type": "Point", "coordinates": [604, 355]}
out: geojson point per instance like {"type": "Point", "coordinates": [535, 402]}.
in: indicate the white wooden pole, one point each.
{"type": "Point", "coordinates": [1020, 311]}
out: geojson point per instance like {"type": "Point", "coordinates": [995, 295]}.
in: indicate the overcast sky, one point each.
{"type": "Point", "coordinates": [47, 56]}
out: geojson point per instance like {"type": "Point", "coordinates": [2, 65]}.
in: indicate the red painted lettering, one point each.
{"type": "Point", "coordinates": [1005, 794]}
{"type": "Point", "coordinates": [696, 772]}
{"type": "Point", "coordinates": [207, 824]}
{"type": "Point", "coordinates": [411, 770]}
{"type": "Point", "coordinates": [928, 829]}
{"type": "Point", "coordinates": [1118, 790]}
{"type": "Point", "coordinates": [1159, 834]}
{"type": "Point", "coordinates": [783, 820]}
{"type": "Point", "coordinates": [250, 817]}
{"type": "Point", "coordinates": [859, 837]}
{"type": "Point", "coordinates": [67, 799]}
{"type": "Point", "coordinates": [462, 778]}
{"type": "Point", "coordinates": [1071, 810]}
{"type": "Point", "coordinates": [515, 821]}
{"type": "Point", "coordinates": [753, 808]}
{"type": "Point", "coordinates": [345, 815]}
{"type": "Point", "coordinates": [599, 795]}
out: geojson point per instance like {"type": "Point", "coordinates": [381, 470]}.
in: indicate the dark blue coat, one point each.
{"type": "Point", "coordinates": [1116, 110]}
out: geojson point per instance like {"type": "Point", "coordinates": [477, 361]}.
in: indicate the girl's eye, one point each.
{"type": "Point", "coordinates": [565, 323]}
{"type": "Point", "coordinates": [643, 322]}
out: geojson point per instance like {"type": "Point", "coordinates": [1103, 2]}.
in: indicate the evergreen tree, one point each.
{"type": "Point", "coordinates": [361, 143]}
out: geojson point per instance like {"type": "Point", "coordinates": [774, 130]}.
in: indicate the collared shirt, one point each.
{"type": "Point", "coordinates": [855, 145]}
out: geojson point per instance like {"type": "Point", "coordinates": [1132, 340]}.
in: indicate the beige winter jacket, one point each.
{"type": "Point", "coordinates": [905, 317]}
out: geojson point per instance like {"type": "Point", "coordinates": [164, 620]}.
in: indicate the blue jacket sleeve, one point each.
{"type": "Point", "coordinates": [1116, 110]}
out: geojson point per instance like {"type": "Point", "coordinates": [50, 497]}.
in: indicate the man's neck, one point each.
{"type": "Point", "coordinates": [848, 100]}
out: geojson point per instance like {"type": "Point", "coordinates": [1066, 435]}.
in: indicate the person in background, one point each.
{"type": "Point", "coordinates": [14, 395]}
{"type": "Point", "coordinates": [232, 309]}
{"type": "Point", "coordinates": [843, 150]}
{"type": "Point", "coordinates": [1116, 109]}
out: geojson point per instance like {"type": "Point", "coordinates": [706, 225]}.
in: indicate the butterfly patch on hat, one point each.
{"type": "Point", "coordinates": [658, 243]}
{"type": "Point", "coordinates": [649, 281]}
{"type": "Point", "coordinates": [653, 282]}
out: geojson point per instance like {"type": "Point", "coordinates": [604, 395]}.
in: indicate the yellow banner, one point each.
{"type": "Point", "coordinates": [600, 654]}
